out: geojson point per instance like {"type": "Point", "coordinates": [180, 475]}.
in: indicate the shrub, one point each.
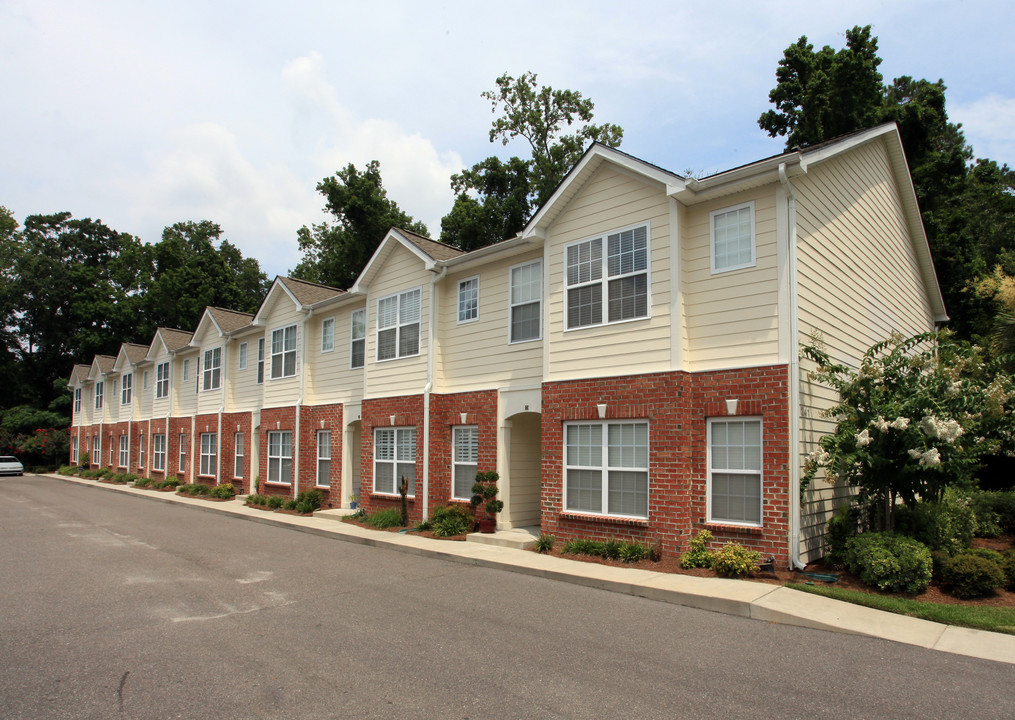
{"type": "Point", "coordinates": [890, 562]}
{"type": "Point", "coordinates": [544, 543]}
{"type": "Point", "coordinates": [424, 525]}
{"type": "Point", "coordinates": [104, 472]}
{"type": "Point", "coordinates": [451, 520]}
{"type": "Point", "coordinates": [938, 558]}
{"type": "Point", "coordinates": [842, 526]}
{"type": "Point", "coordinates": [698, 555]}
{"type": "Point", "coordinates": [65, 470]}
{"type": "Point", "coordinates": [144, 482]}
{"type": "Point", "coordinates": [733, 560]}
{"type": "Point", "coordinates": [946, 525]}
{"type": "Point", "coordinates": [256, 500]}
{"type": "Point", "coordinates": [84, 460]}
{"type": "Point", "coordinates": [1008, 567]}
{"type": "Point", "coordinates": [392, 517]}
{"type": "Point", "coordinates": [633, 552]}
{"type": "Point", "coordinates": [311, 499]}
{"type": "Point", "coordinates": [289, 504]}
{"type": "Point", "coordinates": [580, 546]}
{"type": "Point", "coordinates": [225, 491]}
{"type": "Point", "coordinates": [193, 489]}
{"type": "Point", "coordinates": [987, 554]}
{"type": "Point", "coordinates": [275, 502]}
{"type": "Point", "coordinates": [970, 575]}
{"type": "Point", "coordinates": [169, 483]}
{"type": "Point", "coordinates": [612, 549]}
{"type": "Point", "coordinates": [995, 507]}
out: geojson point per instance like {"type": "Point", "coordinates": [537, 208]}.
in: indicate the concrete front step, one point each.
{"type": "Point", "coordinates": [519, 538]}
{"type": "Point", "coordinates": [334, 513]}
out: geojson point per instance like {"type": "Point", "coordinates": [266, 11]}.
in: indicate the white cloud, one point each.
{"type": "Point", "coordinates": [988, 124]}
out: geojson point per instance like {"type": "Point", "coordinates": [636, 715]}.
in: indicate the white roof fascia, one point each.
{"type": "Point", "coordinates": [258, 318]}
{"type": "Point", "coordinates": [363, 281]}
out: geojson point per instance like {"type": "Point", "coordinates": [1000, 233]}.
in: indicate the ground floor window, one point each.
{"type": "Point", "coordinates": [238, 455]}
{"type": "Point", "coordinates": [183, 452]}
{"type": "Point", "coordinates": [97, 449]}
{"type": "Point", "coordinates": [324, 458]}
{"type": "Point", "coordinates": [606, 468]}
{"type": "Point", "coordinates": [280, 457]}
{"type": "Point", "coordinates": [75, 453]}
{"type": "Point", "coordinates": [124, 451]}
{"type": "Point", "coordinates": [465, 442]}
{"type": "Point", "coordinates": [159, 452]}
{"type": "Point", "coordinates": [394, 458]}
{"type": "Point", "coordinates": [112, 451]}
{"type": "Point", "coordinates": [209, 453]}
{"type": "Point", "coordinates": [140, 451]}
{"type": "Point", "coordinates": [734, 471]}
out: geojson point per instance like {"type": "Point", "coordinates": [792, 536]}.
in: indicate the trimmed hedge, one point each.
{"type": "Point", "coordinates": [889, 562]}
{"type": "Point", "coordinates": [971, 575]}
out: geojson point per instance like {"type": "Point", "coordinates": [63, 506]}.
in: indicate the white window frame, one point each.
{"type": "Point", "coordinates": [328, 334]}
{"type": "Point", "coordinates": [209, 454]}
{"type": "Point", "coordinates": [712, 237]}
{"type": "Point", "coordinates": [512, 304]}
{"type": "Point", "coordinates": [604, 468]}
{"type": "Point", "coordinates": [144, 380]}
{"type": "Point", "coordinates": [100, 388]}
{"type": "Point", "coordinates": [468, 300]}
{"type": "Point", "coordinates": [401, 323]}
{"type": "Point", "coordinates": [127, 389]}
{"type": "Point", "coordinates": [279, 441]}
{"type": "Point", "coordinates": [464, 455]}
{"type": "Point", "coordinates": [241, 357]}
{"type": "Point", "coordinates": [394, 462]}
{"type": "Point", "coordinates": [260, 361]}
{"type": "Point", "coordinates": [358, 322]}
{"type": "Point", "coordinates": [182, 464]}
{"type": "Point", "coordinates": [76, 448]}
{"type": "Point", "coordinates": [159, 452]}
{"type": "Point", "coordinates": [605, 278]}
{"type": "Point", "coordinates": [97, 449]}
{"type": "Point", "coordinates": [323, 445]}
{"type": "Point", "coordinates": [239, 450]}
{"type": "Point", "coordinates": [140, 451]}
{"type": "Point", "coordinates": [162, 380]}
{"type": "Point", "coordinates": [124, 458]}
{"type": "Point", "coordinates": [77, 400]}
{"type": "Point", "coordinates": [112, 451]}
{"type": "Point", "coordinates": [759, 473]}
{"type": "Point", "coordinates": [284, 351]}
{"type": "Point", "coordinates": [186, 369]}
{"type": "Point", "coordinates": [212, 369]}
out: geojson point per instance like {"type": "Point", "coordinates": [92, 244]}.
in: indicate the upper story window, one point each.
{"type": "Point", "coordinates": [213, 369]}
{"type": "Point", "coordinates": [398, 325]}
{"type": "Point", "coordinates": [241, 360]}
{"type": "Point", "coordinates": [144, 380]}
{"type": "Point", "coordinates": [328, 334]}
{"type": "Point", "coordinates": [77, 400]}
{"type": "Point", "coordinates": [358, 348]}
{"type": "Point", "coordinates": [526, 301]}
{"type": "Point", "coordinates": [283, 352]}
{"type": "Point", "coordinates": [620, 274]}
{"type": "Point", "coordinates": [126, 389]}
{"type": "Point", "coordinates": [162, 379]}
{"type": "Point", "coordinates": [186, 369]}
{"type": "Point", "coordinates": [260, 360]}
{"type": "Point", "coordinates": [99, 389]}
{"type": "Point", "coordinates": [732, 237]}
{"type": "Point", "coordinates": [468, 300]}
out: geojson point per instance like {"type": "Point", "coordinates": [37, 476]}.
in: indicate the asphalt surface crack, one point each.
{"type": "Point", "coordinates": [119, 691]}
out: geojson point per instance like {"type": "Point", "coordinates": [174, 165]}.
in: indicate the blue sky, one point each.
{"type": "Point", "coordinates": [143, 114]}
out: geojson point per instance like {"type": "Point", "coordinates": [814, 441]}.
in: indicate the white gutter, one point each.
{"type": "Point", "coordinates": [222, 405]}
{"type": "Point", "coordinates": [430, 347]}
{"type": "Point", "coordinates": [794, 378]}
{"type": "Point", "coordinates": [301, 365]}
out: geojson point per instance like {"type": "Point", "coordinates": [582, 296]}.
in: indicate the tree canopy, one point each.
{"type": "Point", "coordinates": [335, 253]}
{"type": "Point", "coordinates": [494, 199]}
{"type": "Point", "coordinates": [968, 208]}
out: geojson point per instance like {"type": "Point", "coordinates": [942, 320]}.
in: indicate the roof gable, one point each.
{"type": "Point", "coordinates": [78, 375]}
{"type": "Point", "coordinates": [129, 356]}
{"type": "Point", "coordinates": [101, 366]}
{"type": "Point", "coordinates": [429, 252]}
{"type": "Point", "coordinates": [167, 341]}
{"type": "Point", "coordinates": [300, 293]}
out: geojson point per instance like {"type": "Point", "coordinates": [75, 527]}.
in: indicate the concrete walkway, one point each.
{"type": "Point", "coordinates": [760, 601]}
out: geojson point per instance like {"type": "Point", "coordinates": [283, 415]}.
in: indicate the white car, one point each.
{"type": "Point", "coordinates": [10, 465]}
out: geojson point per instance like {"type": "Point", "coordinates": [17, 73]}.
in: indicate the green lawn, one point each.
{"type": "Point", "coordinates": [995, 619]}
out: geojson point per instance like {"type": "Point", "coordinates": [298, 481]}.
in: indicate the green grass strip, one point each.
{"type": "Point", "coordinates": [994, 619]}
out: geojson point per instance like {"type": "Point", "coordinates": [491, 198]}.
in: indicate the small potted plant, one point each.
{"type": "Point", "coordinates": [354, 501]}
{"type": "Point", "coordinates": [484, 492]}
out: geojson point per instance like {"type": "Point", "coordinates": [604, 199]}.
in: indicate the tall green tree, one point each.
{"type": "Point", "coordinates": [335, 253]}
{"type": "Point", "coordinates": [494, 199]}
{"type": "Point", "coordinates": [191, 267]}
{"type": "Point", "coordinates": [968, 209]}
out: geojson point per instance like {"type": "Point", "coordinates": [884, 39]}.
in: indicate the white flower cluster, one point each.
{"type": "Point", "coordinates": [947, 430]}
{"type": "Point", "coordinates": [863, 438]}
{"type": "Point", "coordinates": [899, 423]}
{"type": "Point", "coordinates": [819, 457]}
{"type": "Point", "coordinates": [930, 458]}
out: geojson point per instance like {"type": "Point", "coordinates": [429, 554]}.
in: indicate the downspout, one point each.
{"type": "Point", "coordinates": [431, 344]}
{"type": "Point", "coordinates": [222, 404]}
{"type": "Point", "coordinates": [301, 364]}
{"type": "Point", "coordinates": [794, 377]}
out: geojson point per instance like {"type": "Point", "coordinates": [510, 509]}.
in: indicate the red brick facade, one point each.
{"type": "Point", "coordinates": [281, 419]}
{"type": "Point", "coordinates": [677, 407]}
{"type": "Point", "coordinates": [233, 423]}
{"type": "Point", "coordinates": [406, 411]}
{"type": "Point", "coordinates": [313, 420]}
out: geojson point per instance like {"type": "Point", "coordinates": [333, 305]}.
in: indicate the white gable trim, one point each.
{"type": "Point", "coordinates": [376, 261]}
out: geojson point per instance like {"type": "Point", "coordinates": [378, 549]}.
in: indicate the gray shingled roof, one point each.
{"type": "Point", "coordinates": [436, 250]}
{"type": "Point", "coordinates": [80, 371]}
{"type": "Point", "coordinates": [175, 339]}
{"type": "Point", "coordinates": [135, 353]}
{"type": "Point", "coordinates": [230, 320]}
{"type": "Point", "coordinates": [105, 362]}
{"type": "Point", "coordinates": [308, 293]}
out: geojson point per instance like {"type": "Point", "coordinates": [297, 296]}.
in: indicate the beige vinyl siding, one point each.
{"type": "Point", "coordinates": [182, 392]}
{"type": "Point", "coordinates": [329, 377]}
{"type": "Point", "coordinates": [858, 282]}
{"type": "Point", "coordinates": [731, 317]}
{"type": "Point", "coordinates": [478, 354]}
{"type": "Point", "coordinates": [401, 271]}
{"type": "Point", "coordinates": [160, 406]}
{"type": "Point", "coordinates": [244, 393]}
{"type": "Point", "coordinates": [143, 397]}
{"type": "Point", "coordinates": [284, 391]}
{"type": "Point", "coordinates": [209, 401]}
{"type": "Point", "coordinates": [112, 403]}
{"type": "Point", "coordinates": [612, 200]}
